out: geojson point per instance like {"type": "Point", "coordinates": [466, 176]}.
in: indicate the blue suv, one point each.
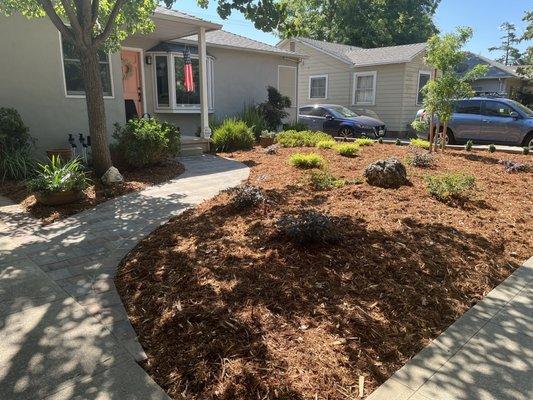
{"type": "Point", "coordinates": [489, 120]}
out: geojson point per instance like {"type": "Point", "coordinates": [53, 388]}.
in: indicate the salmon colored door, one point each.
{"type": "Point", "coordinates": [131, 78]}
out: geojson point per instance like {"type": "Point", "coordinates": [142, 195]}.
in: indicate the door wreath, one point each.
{"type": "Point", "coordinates": [127, 68]}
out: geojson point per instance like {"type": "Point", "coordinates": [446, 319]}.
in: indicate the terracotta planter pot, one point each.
{"type": "Point", "coordinates": [59, 198]}
{"type": "Point", "coordinates": [64, 154]}
{"type": "Point", "coordinates": [266, 141]}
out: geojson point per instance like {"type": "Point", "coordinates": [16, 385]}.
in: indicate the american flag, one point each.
{"type": "Point", "coordinates": [188, 80]}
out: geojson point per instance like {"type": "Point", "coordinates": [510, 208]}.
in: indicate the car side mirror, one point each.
{"type": "Point", "coordinates": [514, 114]}
{"type": "Point", "coordinates": [329, 117]}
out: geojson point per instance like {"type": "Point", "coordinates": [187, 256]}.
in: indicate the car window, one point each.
{"type": "Point", "coordinates": [343, 111]}
{"type": "Point", "coordinates": [318, 112]}
{"type": "Point", "coordinates": [497, 109]}
{"type": "Point", "coordinates": [468, 107]}
{"type": "Point", "coordinates": [305, 110]}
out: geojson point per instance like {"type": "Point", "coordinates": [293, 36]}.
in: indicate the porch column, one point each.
{"type": "Point", "coordinates": [205, 131]}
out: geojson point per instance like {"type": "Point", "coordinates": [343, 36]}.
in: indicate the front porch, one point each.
{"type": "Point", "coordinates": [193, 146]}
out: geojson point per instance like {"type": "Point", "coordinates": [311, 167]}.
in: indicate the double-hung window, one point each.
{"type": "Point", "coordinates": [423, 79]}
{"type": "Point", "coordinates": [171, 95]}
{"type": "Point", "coordinates": [365, 88]}
{"type": "Point", "coordinates": [318, 87]}
{"type": "Point", "coordinates": [74, 85]}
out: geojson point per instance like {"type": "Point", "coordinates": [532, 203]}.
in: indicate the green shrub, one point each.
{"type": "Point", "coordinates": [492, 148]}
{"type": "Point", "coordinates": [450, 185]}
{"type": "Point", "coordinates": [525, 150]}
{"type": "Point", "coordinates": [295, 126]}
{"type": "Point", "coordinates": [422, 160]}
{"type": "Point", "coordinates": [13, 133]}
{"type": "Point", "coordinates": [420, 125]}
{"type": "Point", "coordinates": [398, 142]}
{"type": "Point", "coordinates": [273, 110]}
{"type": "Point", "coordinates": [59, 177]}
{"type": "Point", "coordinates": [324, 180]}
{"type": "Point", "coordinates": [254, 118]}
{"type": "Point", "coordinates": [326, 144]}
{"type": "Point", "coordinates": [468, 145]}
{"type": "Point", "coordinates": [17, 164]}
{"type": "Point", "coordinates": [347, 149]}
{"type": "Point", "coordinates": [307, 161]}
{"type": "Point", "coordinates": [301, 139]}
{"type": "Point", "coordinates": [146, 141]}
{"type": "Point", "coordinates": [420, 143]}
{"type": "Point", "coordinates": [364, 141]}
{"type": "Point", "coordinates": [233, 135]}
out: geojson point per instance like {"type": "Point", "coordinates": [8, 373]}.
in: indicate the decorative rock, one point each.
{"type": "Point", "coordinates": [273, 149]}
{"type": "Point", "coordinates": [112, 176]}
{"type": "Point", "coordinates": [389, 173]}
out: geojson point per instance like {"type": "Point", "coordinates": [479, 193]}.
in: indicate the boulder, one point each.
{"type": "Point", "coordinates": [389, 173]}
{"type": "Point", "coordinates": [112, 176]}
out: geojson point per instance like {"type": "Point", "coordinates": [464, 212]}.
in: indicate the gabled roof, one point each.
{"type": "Point", "coordinates": [359, 57]}
{"type": "Point", "coordinates": [174, 14]}
{"type": "Point", "coordinates": [496, 69]}
{"type": "Point", "coordinates": [226, 39]}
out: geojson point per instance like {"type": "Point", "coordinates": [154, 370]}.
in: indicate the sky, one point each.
{"type": "Point", "coordinates": [484, 16]}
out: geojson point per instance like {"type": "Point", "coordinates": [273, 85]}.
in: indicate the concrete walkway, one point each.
{"type": "Point", "coordinates": [485, 355]}
{"type": "Point", "coordinates": [64, 333]}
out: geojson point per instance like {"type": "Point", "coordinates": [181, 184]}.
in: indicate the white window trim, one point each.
{"type": "Point", "coordinates": [295, 94]}
{"type": "Point", "coordinates": [173, 107]}
{"type": "Point", "coordinates": [82, 96]}
{"type": "Point", "coordinates": [311, 77]}
{"type": "Point", "coordinates": [361, 74]}
{"type": "Point", "coordinates": [418, 84]}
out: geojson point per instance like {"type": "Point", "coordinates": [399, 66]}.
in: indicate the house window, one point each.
{"type": "Point", "coordinates": [74, 85]}
{"type": "Point", "coordinates": [171, 93]}
{"type": "Point", "coordinates": [318, 87]}
{"type": "Point", "coordinates": [423, 79]}
{"type": "Point", "coordinates": [365, 88]}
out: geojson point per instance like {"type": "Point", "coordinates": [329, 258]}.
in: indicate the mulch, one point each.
{"type": "Point", "coordinates": [134, 180]}
{"type": "Point", "coordinates": [225, 308]}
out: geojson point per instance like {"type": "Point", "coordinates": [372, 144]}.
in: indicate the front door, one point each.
{"type": "Point", "coordinates": [131, 78]}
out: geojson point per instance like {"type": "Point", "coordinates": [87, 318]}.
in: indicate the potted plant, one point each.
{"type": "Point", "coordinates": [64, 154]}
{"type": "Point", "coordinates": [267, 138]}
{"type": "Point", "coordinates": [59, 183]}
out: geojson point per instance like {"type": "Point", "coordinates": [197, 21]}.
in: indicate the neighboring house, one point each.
{"type": "Point", "coordinates": [500, 78]}
{"type": "Point", "coordinates": [40, 76]}
{"type": "Point", "coordinates": [385, 81]}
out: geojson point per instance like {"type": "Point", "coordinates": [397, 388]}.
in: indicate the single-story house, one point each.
{"type": "Point", "coordinates": [385, 81]}
{"type": "Point", "coordinates": [40, 76]}
{"type": "Point", "coordinates": [500, 78]}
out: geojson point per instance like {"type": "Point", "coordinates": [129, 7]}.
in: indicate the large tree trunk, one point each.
{"type": "Point", "coordinates": [94, 95]}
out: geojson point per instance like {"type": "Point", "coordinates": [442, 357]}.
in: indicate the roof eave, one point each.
{"type": "Point", "coordinates": [324, 51]}
{"type": "Point", "coordinates": [209, 26]}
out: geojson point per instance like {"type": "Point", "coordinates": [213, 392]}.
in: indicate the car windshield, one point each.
{"type": "Point", "coordinates": [522, 108]}
{"type": "Point", "coordinates": [343, 111]}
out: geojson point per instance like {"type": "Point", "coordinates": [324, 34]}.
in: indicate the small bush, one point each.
{"type": "Point", "coordinates": [17, 163]}
{"type": "Point", "coordinates": [512, 166]}
{"type": "Point", "coordinates": [420, 125]}
{"type": "Point", "coordinates": [450, 186]}
{"type": "Point", "coordinates": [422, 160]}
{"type": "Point", "coordinates": [492, 148]}
{"type": "Point", "coordinates": [525, 150]}
{"type": "Point", "coordinates": [347, 149]}
{"type": "Point", "coordinates": [59, 177]}
{"type": "Point", "coordinates": [324, 180]}
{"type": "Point", "coordinates": [364, 141]}
{"type": "Point", "coordinates": [233, 135]}
{"type": "Point", "coordinates": [420, 143]}
{"type": "Point", "coordinates": [295, 126]}
{"type": "Point", "coordinates": [308, 227]}
{"type": "Point", "coordinates": [307, 161]}
{"type": "Point", "coordinates": [398, 142]}
{"type": "Point", "coordinates": [468, 145]}
{"type": "Point", "coordinates": [301, 139]}
{"type": "Point", "coordinates": [273, 110]}
{"type": "Point", "coordinates": [253, 117]}
{"type": "Point", "coordinates": [146, 141]}
{"type": "Point", "coordinates": [247, 196]}
{"type": "Point", "coordinates": [13, 133]}
{"type": "Point", "coordinates": [380, 140]}
{"type": "Point", "coordinates": [326, 144]}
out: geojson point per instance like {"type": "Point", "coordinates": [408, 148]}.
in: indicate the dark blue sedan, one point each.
{"type": "Point", "coordinates": [340, 121]}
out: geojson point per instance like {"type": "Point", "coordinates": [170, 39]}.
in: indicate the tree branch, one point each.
{"type": "Point", "coordinates": [48, 8]}
{"type": "Point", "coordinates": [111, 21]}
{"type": "Point", "coordinates": [84, 8]}
{"type": "Point", "coordinates": [72, 17]}
{"type": "Point", "coordinates": [94, 12]}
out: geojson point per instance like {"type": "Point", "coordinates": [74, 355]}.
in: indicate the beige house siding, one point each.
{"type": "Point", "coordinates": [396, 85]}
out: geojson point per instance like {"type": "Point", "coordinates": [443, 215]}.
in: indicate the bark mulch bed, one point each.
{"type": "Point", "coordinates": [134, 180]}
{"type": "Point", "coordinates": [227, 309]}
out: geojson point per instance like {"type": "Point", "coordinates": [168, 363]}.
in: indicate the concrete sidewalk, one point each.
{"type": "Point", "coordinates": [485, 355]}
{"type": "Point", "coordinates": [64, 333]}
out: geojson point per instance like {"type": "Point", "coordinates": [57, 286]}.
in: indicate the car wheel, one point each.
{"type": "Point", "coordinates": [346, 132]}
{"type": "Point", "coordinates": [449, 138]}
{"type": "Point", "coordinates": [528, 141]}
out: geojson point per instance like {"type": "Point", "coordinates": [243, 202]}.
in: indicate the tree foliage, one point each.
{"type": "Point", "coordinates": [511, 55]}
{"type": "Point", "coordinates": [527, 57]}
{"type": "Point", "coordinates": [364, 23]}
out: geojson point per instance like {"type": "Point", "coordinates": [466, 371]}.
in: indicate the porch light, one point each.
{"type": "Point", "coordinates": [148, 60]}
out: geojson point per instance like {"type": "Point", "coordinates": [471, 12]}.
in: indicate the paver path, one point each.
{"type": "Point", "coordinates": [64, 333]}
{"type": "Point", "coordinates": [485, 355]}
